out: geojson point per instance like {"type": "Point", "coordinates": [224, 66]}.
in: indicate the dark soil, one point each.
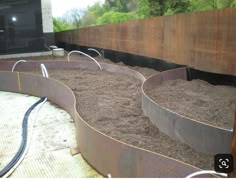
{"type": "Point", "coordinates": [112, 104]}
{"type": "Point", "coordinates": [199, 100]}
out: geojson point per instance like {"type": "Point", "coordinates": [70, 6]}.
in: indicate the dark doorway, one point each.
{"type": "Point", "coordinates": [21, 26]}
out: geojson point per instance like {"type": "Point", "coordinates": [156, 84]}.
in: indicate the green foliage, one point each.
{"type": "Point", "coordinates": [91, 15]}
{"type": "Point", "coordinates": [143, 8]}
{"type": "Point", "coordinates": [96, 9]}
{"type": "Point", "coordinates": [176, 6]}
{"type": "Point", "coordinates": [113, 16]}
{"type": "Point", "coordinates": [132, 5]}
{"type": "Point", "coordinates": [147, 8]}
{"type": "Point", "coordinates": [125, 10]}
{"type": "Point", "coordinates": [89, 19]}
{"type": "Point", "coordinates": [203, 5]}
{"type": "Point", "coordinates": [226, 3]}
{"type": "Point", "coordinates": [116, 5]}
{"type": "Point", "coordinates": [233, 3]}
{"type": "Point", "coordinates": [156, 7]}
{"type": "Point", "coordinates": [111, 11]}
{"type": "Point", "coordinates": [59, 25]}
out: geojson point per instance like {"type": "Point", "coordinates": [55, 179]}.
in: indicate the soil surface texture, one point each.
{"type": "Point", "coordinates": [143, 70]}
{"type": "Point", "coordinates": [199, 100]}
{"type": "Point", "coordinates": [77, 57]}
{"type": "Point", "coordinates": [111, 103]}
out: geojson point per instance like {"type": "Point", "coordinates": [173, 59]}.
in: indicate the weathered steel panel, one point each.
{"type": "Point", "coordinates": [200, 136]}
{"type": "Point", "coordinates": [9, 82]}
{"type": "Point", "coordinates": [102, 152]}
{"type": "Point", "coordinates": [202, 40]}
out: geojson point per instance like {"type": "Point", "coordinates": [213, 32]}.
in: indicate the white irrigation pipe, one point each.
{"type": "Point", "coordinates": [206, 172]}
{"type": "Point", "coordinates": [91, 49]}
{"type": "Point", "coordinates": [28, 142]}
{"type": "Point", "coordinates": [68, 57]}
{"type": "Point", "coordinates": [17, 62]}
{"type": "Point", "coordinates": [44, 70]}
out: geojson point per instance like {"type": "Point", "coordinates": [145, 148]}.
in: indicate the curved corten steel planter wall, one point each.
{"type": "Point", "coordinates": [206, 44]}
{"type": "Point", "coordinates": [104, 153]}
{"type": "Point", "coordinates": [200, 136]}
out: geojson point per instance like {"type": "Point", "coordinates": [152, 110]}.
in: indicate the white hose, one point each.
{"type": "Point", "coordinates": [68, 57]}
{"type": "Point", "coordinates": [91, 49]}
{"type": "Point", "coordinates": [206, 172]}
{"type": "Point", "coordinates": [28, 142]}
{"type": "Point", "coordinates": [17, 62]}
{"type": "Point", "coordinates": [44, 70]}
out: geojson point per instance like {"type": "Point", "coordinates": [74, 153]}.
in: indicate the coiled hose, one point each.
{"type": "Point", "coordinates": [23, 145]}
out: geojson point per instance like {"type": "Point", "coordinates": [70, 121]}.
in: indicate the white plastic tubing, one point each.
{"type": "Point", "coordinates": [17, 62]}
{"type": "Point", "coordinates": [75, 51]}
{"type": "Point", "coordinates": [206, 172]}
{"type": "Point", "coordinates": [91, 49]}
{"type": "Point", "coordinates": [42, 66]}
{"type": "Point", "coordinates": [44, 70]}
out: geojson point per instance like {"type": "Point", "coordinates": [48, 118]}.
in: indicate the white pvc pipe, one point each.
{"type": "Point", "coordinates": [44, 70]}
{"type": "Point", "coordinates": [68, 57]}
{"type": "Point", "coordinates": [91, 49]}
{"type": "Point", "coordinates": [206, 172]}
{"type": "Point", "coordinates": [17, 62]}
{"type": "Point", "coordinates": [28, 142]}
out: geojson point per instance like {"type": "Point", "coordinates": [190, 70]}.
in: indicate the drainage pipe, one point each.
{"type": "Point", "coordinates": [91, 49]}
{"type": "Point", "coordinates": [29, 141]}
{"type": "Point", "coordinates": [21, 151]}
{"type": "Point", "coordinates": [44, 70]}
{"type": "Point", "coordinates": [68, 57]}
{"type": "Point", "coordinates": [17, 62]}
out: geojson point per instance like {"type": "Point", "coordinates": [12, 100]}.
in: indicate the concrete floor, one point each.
{"type": "Point", "coordinates": [53, 136]}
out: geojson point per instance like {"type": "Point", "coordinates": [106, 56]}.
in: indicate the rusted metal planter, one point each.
{"type": "Point", "coordinates": [200, 136]}
{"type": "Point", "coordinates": [104, 153]}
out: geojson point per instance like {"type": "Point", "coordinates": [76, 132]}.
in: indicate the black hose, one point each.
{"type": "Point", "coordinates": [22, 147]}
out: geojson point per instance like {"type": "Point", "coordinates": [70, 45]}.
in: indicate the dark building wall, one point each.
{"type": "Point", "coordinates": [21, 28]}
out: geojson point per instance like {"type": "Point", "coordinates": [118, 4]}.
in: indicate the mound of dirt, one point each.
{"type": "Point", "coordinates": [199, 100]}
{"type": "Point", "coordinates": [112, 104]}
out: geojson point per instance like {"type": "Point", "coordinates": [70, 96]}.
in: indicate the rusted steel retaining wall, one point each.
{"type": "Point", "coordinates": [203, 40]}
{"type": "Point", "coordinates": [104, 153]}
{"type": "Point", "coordinates": [200, 136]}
